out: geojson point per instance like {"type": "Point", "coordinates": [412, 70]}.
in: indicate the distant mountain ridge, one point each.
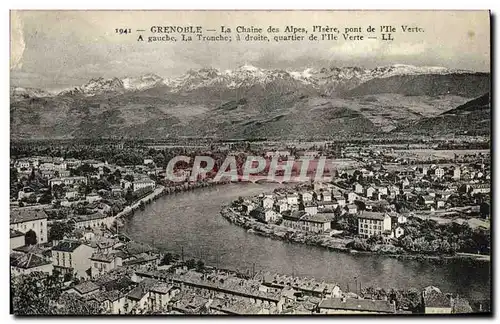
{"type": "Point", "coordinates": [326, 80]}
{"type": "Point", "coordinates": [249, 102]}
{"type": "Point", "coordinates": [19, 93]}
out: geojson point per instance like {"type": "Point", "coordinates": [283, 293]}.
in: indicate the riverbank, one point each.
{"type": "Point", "coordinates": [328, 242]}
{"type": "Point", "coordinates": [284, 233]}
{"type": "Point", "coordinates": [190, 223]}
{"type": "Point", "coordinates": [160, 191]}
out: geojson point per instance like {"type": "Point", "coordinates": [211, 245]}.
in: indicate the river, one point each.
{"type": "Point", "coordinates": [191, 220]}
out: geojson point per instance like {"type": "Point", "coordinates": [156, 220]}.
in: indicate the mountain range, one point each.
{"type": "Point", "coordinates": [247, 102]}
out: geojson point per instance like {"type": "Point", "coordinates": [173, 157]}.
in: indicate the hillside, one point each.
{"type": "Point", "coordinates": [468, 85]}
{"type": "Point", "coordinates": [472, 118]}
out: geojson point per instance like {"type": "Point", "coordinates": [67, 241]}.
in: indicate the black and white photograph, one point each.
{"type": "Point", "coordinates": [250, 162]}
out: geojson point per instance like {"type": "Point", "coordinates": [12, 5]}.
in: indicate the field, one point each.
{"type": "Point", "coordinates": [436, 154]}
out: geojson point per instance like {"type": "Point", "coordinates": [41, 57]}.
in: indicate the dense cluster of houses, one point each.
{"type": "Point", "coordinates": [83, 208]}
{"type": "Point", "coordinates": [59, 175]}
{"type": "Point", "coordinates": [125, 277]}
{"type": "Point", "coordinates": [315, 210]}
{"type": "Point", "coordinates": [86, 252]}
{"type": "Point", "coordinates": [425, 189]}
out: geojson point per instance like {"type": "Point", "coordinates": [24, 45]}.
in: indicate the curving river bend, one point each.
{"type": "Point", "coordinates": [191, 220]}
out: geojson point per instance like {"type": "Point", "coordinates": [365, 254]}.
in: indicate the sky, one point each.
{"type": "Point", "coordinates": [61, 49]}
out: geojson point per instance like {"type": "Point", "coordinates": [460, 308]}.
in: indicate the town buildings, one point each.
{"type": "Point", "coordinates": [24, 220]}
{"type": "Point", "coordinates": [373, 223]}
{"type": "Point", "coordinates": [116, 271]}
{"type": "Point", "coordinates": [72, 257]}
{"type": "Point", "coordinates": [301, 220]}
{"type": "Point", "coordinates": [24, 264]}
{"type": "Point", "coordinates": [341, 306]}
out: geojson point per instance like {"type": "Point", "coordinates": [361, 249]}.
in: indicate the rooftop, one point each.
{"type": "Point", "coordinates": [137, 293]}
{"type": "Point", "coordinates": [15, 233]}
{"type": "Point", "coordinates": [83, 218]}
{"type": "Point", "coordinates": [27, 261]}
{"type": "Point", "coordinates": [296, 215]}
{"type": "Point", "coordinates": [144, 181]}
{"type": "Point", "coordinates": [318, 218]}
{"type": "Point", "coordinates": [372, 215]}
{"type": "Point", "coordinates": [86, 287]}
{"type": "Point", "coordinates": [102, 257]}
{"type": "Point", "coordinates": [22, 215]}
{"type": "Point", "coordinates": [161, 288]}
{"type": "Point", "coordinates": [367, 305]}
{"type": "Point", "coordinates": [66, 246]}
{"type": "Point", "coordinates": [436, 299]}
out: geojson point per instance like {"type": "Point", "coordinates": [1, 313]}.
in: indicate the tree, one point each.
{"type": "Point", "coordinates": [397, 297]}
{"type": "Point", "coordinates": [191, 264]}
{"type": "Point", "coordinates": [32, 175]}
{"type": "Point", "coordinates": [407, 243]}
{"type": "Point", "coordinates": [412, 299]}
{"type": "Point", "coordinates": [129, 177]}
{"type": "Point", "coordinates": [129, 196]}
{"type": "Point", "coordinates": [13, 175]}
{"type": "Point", "coordinates": [84, 189]}
{"type": "Point", "coordinates": [159, 160]}
{"type": "Point", "coordinates": [85, 169]}
{"type": "Point", "coordinates": [168, 258]}
{"type": "Point", "coordinates": [46, 198]}
{"type": "Point", "coordinates": [484, 210]}
{"type": "Point", "coordinates": [359, 244]}
{"type": "Point", "coordinates": [200, 265]}
{"type": "Point", "coordinates": [461, 306]}
{"type": "Point", "coordinates": [117, 174]}
{"type": "Point", "coordinates": [347, 223]}
{"type": "Point", "coordinates": [58, 190]}
{"type": "Point", "coordinates": [34, 293]}
{"type": "Point", "coordinates": [58, 229]}
{"type": "Point", "coordinates": [360, 204]}
{"type": "Point", "coordinates": [30, 238]}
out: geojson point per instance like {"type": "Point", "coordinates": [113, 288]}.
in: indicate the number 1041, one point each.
{"type": "Point", "coordinates": [123, 31]}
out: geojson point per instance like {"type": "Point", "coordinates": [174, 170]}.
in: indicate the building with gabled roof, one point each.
{"type": "Point", "coordinates": [72, 257]}
{"type": "Point", "coordinates": [373, 223]}
{"type": "Point", "coordinates": [27, 263]}
{"type": "Point", "coordinates": [85, 288]}
{"type": "Point", "coordinates": [29, 219]}
{"type": "Point", "coordinates": [96, 219]}
{"type": "Point", "coordinates": [435, 302]}
{"type": "Point", "coordinates": [16, 239]}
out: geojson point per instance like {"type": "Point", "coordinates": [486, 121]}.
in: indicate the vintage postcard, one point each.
{"type": "Point", "coordinates": [250, 162]}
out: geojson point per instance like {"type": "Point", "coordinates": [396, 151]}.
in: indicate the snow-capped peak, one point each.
{"type": "Point", "coordinates": [406, 69]}
{"type": "Point", "coordinates": [19, 93]}
{"type": "Point", "coordinates": [248, 67]}
{"type": "Point", "coordinates": [143, 82]}
{"type": "Point", "coordinates": [329, 78]}
{"type": "Point", "coordinates": [301, 75]}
